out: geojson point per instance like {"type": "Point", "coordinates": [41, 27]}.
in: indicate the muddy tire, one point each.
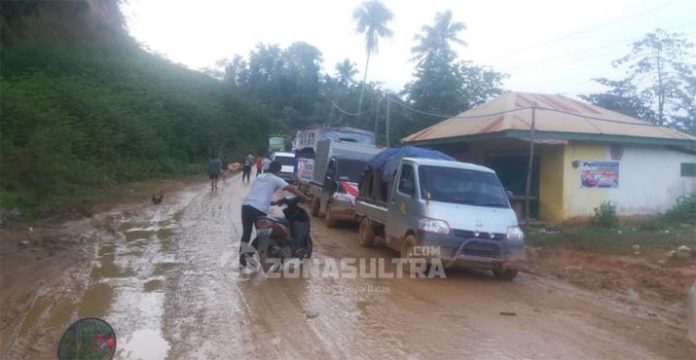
{"type": "Point", "coordinates": [314, 207]}
{"type": "Point", "coordinates": [367, 233]}
{"type": "Point", "coordinates": [330, 220]}
{"type": "Point", "coordinates": [507, 275]}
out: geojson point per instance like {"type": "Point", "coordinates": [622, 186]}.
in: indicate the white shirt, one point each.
{"type": "Point", "coordinates": [262, 191]}
{"type": "Point", "coordinates": [265, 163]}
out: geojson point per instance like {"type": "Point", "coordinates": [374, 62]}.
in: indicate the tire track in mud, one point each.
{"type": "Point", "coordinates": [165, 277]}
{"type": "Point", "coordinates": [213, 314]}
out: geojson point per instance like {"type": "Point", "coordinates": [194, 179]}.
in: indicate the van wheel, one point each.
{"type": "Point", "coordinates": [314, 206]}
{"type": "Point", "coordinates": [507, 275]}
{"type": "Point", "coordinates": [367, 233]}
{"type": "Point", "coordinates": [330, 220]}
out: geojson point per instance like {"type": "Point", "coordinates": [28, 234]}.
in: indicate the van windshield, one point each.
{"type": "Point", "coordinates": [352, 169]}
{"type": "Point", "coordinates": [461, 186]}
{"type": "Point", "coordinates": [285, 160]}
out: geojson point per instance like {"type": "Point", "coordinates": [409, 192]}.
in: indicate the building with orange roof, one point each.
{"type": "Point", "coordinates": [584, 154]}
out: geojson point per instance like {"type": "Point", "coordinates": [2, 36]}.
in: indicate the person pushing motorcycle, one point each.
{"type": "Point", "coordinates": [258, 200]}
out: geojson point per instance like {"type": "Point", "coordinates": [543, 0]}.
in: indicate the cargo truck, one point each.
{"type": "Point", "coordinates": [458, 212]}
{"type": "Point", "coordinates": [337, 169]}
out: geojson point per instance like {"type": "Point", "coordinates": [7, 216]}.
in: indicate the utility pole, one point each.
{"type": "Point", "coordinates": [530, 165]}
{"type": "Point", "coordinates": [331, 114]}
{"type": "Point", "coordinates": [379, 101]}
{"type": "Point", "coordinates": [386, 123]}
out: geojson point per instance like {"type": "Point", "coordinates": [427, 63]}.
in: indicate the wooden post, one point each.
{"type": "Point", "coordinates": [386, 122]}
{"type": "Point", "coordinates": [530, 165]}
{"type": "Point", "coordinates": [379, 101]}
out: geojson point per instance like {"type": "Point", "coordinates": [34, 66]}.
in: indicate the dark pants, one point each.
{"type": "Point", "coordinates": [246, 173]}
{"type": "Point", "coordinates": [249, 215]}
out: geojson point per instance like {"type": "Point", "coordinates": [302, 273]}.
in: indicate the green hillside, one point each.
{"type": "Point", "coordinates": [80, 116]}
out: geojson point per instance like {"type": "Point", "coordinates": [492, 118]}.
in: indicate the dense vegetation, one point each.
{"type": "Point", "coordinates": [290, 82]}
{"type": "Point", "coordinates": [660, 82]}
{"type": "Point", "coordinates": [76, 116]}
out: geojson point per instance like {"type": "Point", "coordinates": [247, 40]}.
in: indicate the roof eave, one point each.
{"type": "Point", "coordinates": [525, 134]}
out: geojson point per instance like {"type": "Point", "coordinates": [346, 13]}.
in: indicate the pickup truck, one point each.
{"type": "Point", "coordinates": [459, 212]}
{"type": "Point", "coordinates": [338, 167]}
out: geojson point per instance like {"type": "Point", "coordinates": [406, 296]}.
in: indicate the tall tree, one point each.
{"type": "Point", "coordinates": [434, 41]}
{"type": "Point", "coordinates": [658, 84]}
{"type": "Point", "coordinates": [621, 97]}
{"type": "Point", "coordinates": [658, 59]}
{"type": "Point", "coordinates": [442, 85]}
{"type": "Point", "coordinates": [371, 18]}
{"type": "Point", "coordinates": [686, 118]}
{"type": "Point", "coordinates": [345, 71]}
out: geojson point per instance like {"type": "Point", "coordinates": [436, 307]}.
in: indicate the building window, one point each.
{"type": "Point", "coordinates": [688, 169]}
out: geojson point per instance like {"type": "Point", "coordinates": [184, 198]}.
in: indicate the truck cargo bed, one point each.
{"type": "Point", "coordinates": [374, 210]}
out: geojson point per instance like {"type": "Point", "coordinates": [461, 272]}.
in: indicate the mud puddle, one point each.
{"type": "Point", "coordinates": [127, 284]}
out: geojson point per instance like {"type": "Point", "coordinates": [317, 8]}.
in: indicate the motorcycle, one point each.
{"type": "Point", "coordinates": [280, 239]}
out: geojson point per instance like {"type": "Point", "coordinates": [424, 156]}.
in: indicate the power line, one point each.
{"type": "Point", "coordinates": [590, 50]}
{"type": "Point", "coordinates": [400, 103]}
{"type": "Point", "coordinates": [349, 113]}
{"type": "Point", "coordinates": [531, 69]}
{"type": "Point", "coordinates": [582, 59]}
{"type": "Point", "coordinates": [404, 105]}
{"type": "Point", "coordinates": [533, 46]}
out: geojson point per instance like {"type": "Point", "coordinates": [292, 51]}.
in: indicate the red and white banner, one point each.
{"type": "Point", "coordinates": [351, 188]}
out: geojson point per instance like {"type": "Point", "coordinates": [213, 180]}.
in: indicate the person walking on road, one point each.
{"type": "Point", "coordinates": [214, 169]}
{"type": "Point", "coordinates": [246, 169]}
{"type": "Point", "coordinates": [265, 163]}
{"type": "Point", "coordinates": [258, 200]}
{"type": "Point", "coordinates": [259, 165]}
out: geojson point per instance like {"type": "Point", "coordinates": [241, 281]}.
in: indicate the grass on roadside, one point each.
{"type": "Point", "coordinates": [87, 199]}
{"type": "Point", "coordinates": [651, 235]}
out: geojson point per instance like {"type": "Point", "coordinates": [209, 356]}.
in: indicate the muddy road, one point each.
{"type": "Point", "coordinates": [164, 277]}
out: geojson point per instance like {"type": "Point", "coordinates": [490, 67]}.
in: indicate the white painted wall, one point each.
{"type": "Point", "coordinates": [650, 180]}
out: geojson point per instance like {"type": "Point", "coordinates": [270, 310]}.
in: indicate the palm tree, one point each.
{"type": "Point", "coordinates": [371, 17]}
{"type": "Point", "coordinates": [345, 70]}
{"type": "Point", "coordinates": [435, 40]}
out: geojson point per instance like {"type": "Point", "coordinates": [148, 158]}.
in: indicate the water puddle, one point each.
{"type": "Point", "coordinates": [153, 285]}
{"type": "Point", "coordinates": [128, 282]}
{"type": "Point", "coordinates": [144, 344]}
{"type": "Point", "coordinates": [97, 300]}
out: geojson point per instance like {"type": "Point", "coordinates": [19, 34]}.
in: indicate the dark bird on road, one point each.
{"type": "Point", "coordinates": [156, 199]}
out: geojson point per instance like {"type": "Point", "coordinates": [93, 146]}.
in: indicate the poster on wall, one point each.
{"type": "Point", "coordinates": [599, 174]}
{"type": "Point", "coordinates": [305, 169]}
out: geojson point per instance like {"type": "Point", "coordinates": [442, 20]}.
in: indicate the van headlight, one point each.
{"type": "Point", "coordinates": [434, 226]}
{"type": "Point", "coordinates": [514, 233]}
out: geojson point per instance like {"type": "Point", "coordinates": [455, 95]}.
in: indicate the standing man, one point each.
{"type": "Point", "coordinates": [214, 169]}
{"type": "Point", "coordinates": [265, 163]}
{"type": "Point", "coordinates": [257, 202]}
{"type": "Point", "coordinates": [246, 169]}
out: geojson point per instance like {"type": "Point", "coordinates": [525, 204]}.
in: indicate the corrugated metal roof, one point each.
{"type": "Point", "coordinates": [554, 113]}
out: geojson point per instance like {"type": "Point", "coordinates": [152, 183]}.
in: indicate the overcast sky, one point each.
{"type": "Point", "coordinates": [548, 46]}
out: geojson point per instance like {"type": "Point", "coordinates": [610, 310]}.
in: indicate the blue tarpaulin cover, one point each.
{"type": "Point", "coordinates": [388, 159]}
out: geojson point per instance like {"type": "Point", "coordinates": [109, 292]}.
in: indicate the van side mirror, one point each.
{"type": "Point", "coordinates": [509, 194]}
